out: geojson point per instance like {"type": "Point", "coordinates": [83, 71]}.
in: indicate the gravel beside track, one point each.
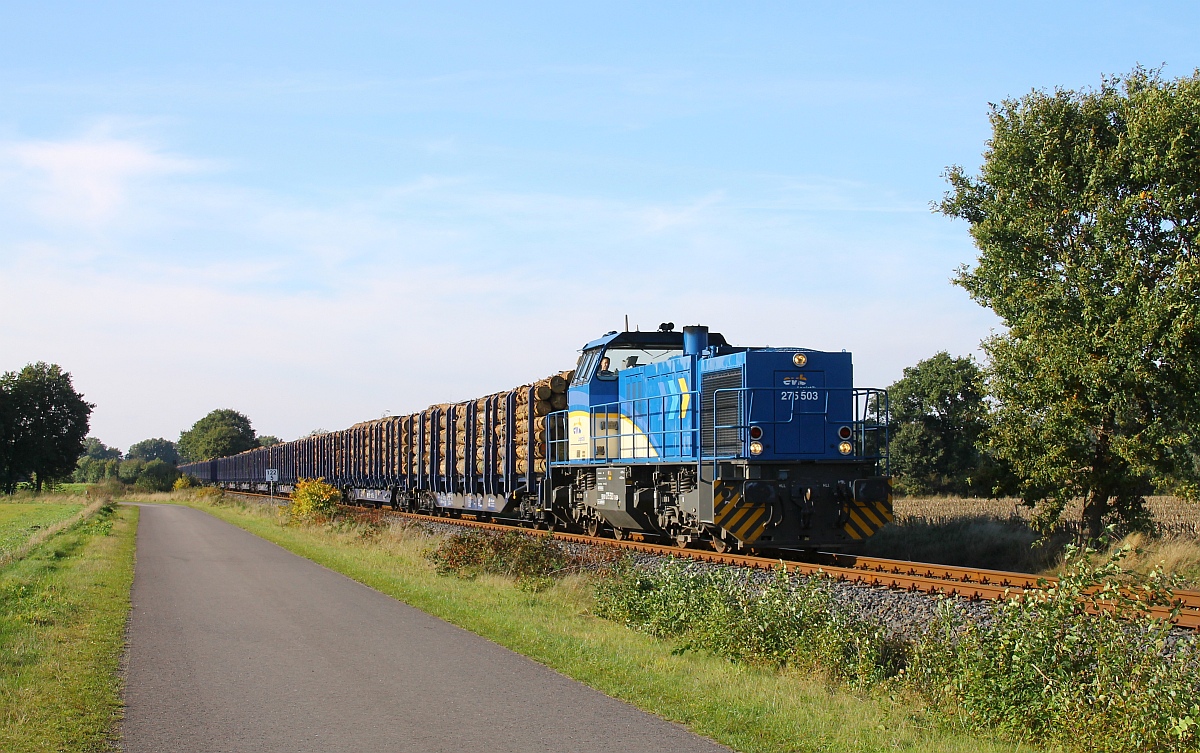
{"type": "Point", "coordinates": [907, 614]}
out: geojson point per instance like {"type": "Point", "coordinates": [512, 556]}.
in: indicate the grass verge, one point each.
{"type": "Point", "coordinates": [747, 708]}
{"type": "Point", "coordinates": [21, 521]}
{"type": "Point", "coordinates": [63, 608]}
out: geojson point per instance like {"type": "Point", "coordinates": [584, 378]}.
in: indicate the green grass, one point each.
{"type": "Point", "coordinates": [62, 620]}
{"type": "Point", "coordinates": [20, 521]}
{"type": "Point", "coordinates": [69, 488]}
{"type": "Point", "coordinates": [745, 708]}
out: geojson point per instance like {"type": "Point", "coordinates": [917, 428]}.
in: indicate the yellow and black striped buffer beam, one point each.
{"type": "Point", "coordinates": [742, 519]}
{"type": "Point", "coordinates": [866, 518]}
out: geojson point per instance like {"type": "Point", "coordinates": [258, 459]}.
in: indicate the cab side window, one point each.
{"type": "Point", "coordinates": [586, 366]}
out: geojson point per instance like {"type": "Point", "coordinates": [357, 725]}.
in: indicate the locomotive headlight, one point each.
{"type": "Point", "coordinates": [845, 448]}
{"type": "Point", "coordinates": [799, 359]}
{"type": "Point", "coordinates": [756, 448]}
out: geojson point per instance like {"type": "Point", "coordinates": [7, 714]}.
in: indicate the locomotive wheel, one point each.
{"type": "Point", "coordinates": [620, 534]}
{"type": "Point", "coordinates": [719, 544]}
{"type": "Point", "coordinates": [592, 526]}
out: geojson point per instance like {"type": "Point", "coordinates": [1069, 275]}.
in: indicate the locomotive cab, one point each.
{"type": "Point", "coordinates": [633, 395]}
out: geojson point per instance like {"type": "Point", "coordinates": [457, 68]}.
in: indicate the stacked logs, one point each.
{"type": "Point", "coordinates": [472, 424]}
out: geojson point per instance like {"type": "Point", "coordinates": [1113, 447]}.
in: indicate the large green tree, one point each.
{"type": "Point", "coordinates": [154, 449]}
{"type": "Point", "coordinates": [1086, 213]}
{"type": "Point", "coordinates": [938, 416]}
{"type": "Point", "coordinates": [222, 432]}
{"type": "Point", "coordinates": [45, 420]}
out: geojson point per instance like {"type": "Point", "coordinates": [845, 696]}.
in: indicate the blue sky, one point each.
{"type": "Point", "coordinates": [317, 216]}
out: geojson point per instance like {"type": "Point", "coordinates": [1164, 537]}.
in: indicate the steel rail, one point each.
{"type": "Point", "coordinates": [922, 577]}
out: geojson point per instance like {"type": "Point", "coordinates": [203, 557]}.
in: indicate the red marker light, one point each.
{"type": "Point", "coordinates": [756, 432]}
{"type": "Point", "coordinates": [844, 432]}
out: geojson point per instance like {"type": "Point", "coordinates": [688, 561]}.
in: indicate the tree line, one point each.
{"type": "Point", "coordinates": [44, 438]}
{"type": "Point", "coordinates": [152, 464]}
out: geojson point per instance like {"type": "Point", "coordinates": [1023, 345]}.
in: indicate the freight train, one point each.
{"type": "Point", "coordinates": [676, 435]}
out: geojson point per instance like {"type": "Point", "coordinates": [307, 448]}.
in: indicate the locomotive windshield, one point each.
{"type": "Point", "coordinates": [627, 357]}
{"type": "Point", "coordinates": [620, 357]}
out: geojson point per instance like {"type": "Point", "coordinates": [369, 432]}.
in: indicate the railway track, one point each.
{"type": "Point", "coordinates": [933, 579]}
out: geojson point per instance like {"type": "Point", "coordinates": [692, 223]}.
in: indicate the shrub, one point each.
{"type": "Point", "coordinates": [110, 487]}
{"type": "Point", "coordinates": [156, 476]}
{"type": "Point", "coordinates": [213, 495]}
{"type": "Point", "coordinates": [533, 561]}
{"type": "Point", "coordinates": [1114, 679]}
{"type": "Point", "coordinates": [130, 470]}
{"type": "Point", "coordinates": [313, 500]}
{"type": "Point", "coordinates": [185, 481]}
{"type": "Point", "coordinates": [779, 623]}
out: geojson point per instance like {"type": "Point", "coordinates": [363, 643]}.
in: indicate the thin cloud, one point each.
{"type": "Point", "coordinates": [85, 180]}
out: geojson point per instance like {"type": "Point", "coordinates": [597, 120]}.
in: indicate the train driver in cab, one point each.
{"type": "Point", "coordinates": [604, 373]}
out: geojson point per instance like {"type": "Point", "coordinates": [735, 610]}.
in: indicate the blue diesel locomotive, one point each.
{"type": "Point", "coordinates": [678, 435]}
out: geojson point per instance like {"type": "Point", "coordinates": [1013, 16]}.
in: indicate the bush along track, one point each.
{"type": "Point", "coordinates": [533, 562]}
{"type": "Point", "coordinates": [63, 607]}
{"type": "Point", "coordinates": [1078, 664]}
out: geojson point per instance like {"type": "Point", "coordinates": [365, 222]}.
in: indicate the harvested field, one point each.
{"type": "Point", "coordinates": [995, 534]}
{"type": "Point", "coordinates": [1172, 516]}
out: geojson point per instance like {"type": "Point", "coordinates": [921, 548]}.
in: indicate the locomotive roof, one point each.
{"type": "Point", "coordinates": [664, 340]}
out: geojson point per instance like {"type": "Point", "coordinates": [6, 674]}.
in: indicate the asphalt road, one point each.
{"type": "Point", "coordinates": [238, 645]}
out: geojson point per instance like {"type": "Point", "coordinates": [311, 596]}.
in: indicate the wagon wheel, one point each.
{"type": "Point", "coordinates": [592, 526]}
{"type": "Point", "coordinates": [620, 534]}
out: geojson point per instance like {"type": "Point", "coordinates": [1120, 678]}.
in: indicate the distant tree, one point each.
{"type": "Point", "coordinates": [220, 433]}
{"type": "Point", "coordinates": [155, 449]}
{"type": "Point", "coordinates": [1085, 214]}
{"type": "Point", "coordinates": [88, 470]}
{"type": "Point", "coordinates": [130, 470]}
{"type": "Point", "coordinates": [97, 462]}
{"type": "Point", "coordinates": [156, 476]}
{"type": "Point", "coordinates": [938, 414]}
{"type": "Point", "coordinates": [95, 449]}
{"type": "Point", "coordinates": [46, 421]}
{"type": "Point", "coordinates": [267, 440]}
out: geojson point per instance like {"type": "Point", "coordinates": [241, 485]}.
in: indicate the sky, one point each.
{"type": "Point", "coordinates": [319, 215]}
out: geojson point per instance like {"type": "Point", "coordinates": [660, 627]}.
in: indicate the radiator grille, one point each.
{"type": "Point", "coordinates": [724, 409]}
